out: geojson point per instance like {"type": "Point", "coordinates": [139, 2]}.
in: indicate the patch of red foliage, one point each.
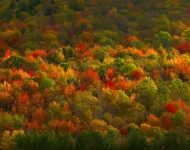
{"type": "Point", "coordinates": [124, 132]}
{"type": "Point", "coordinates": [31, 73]}
{"type": "Point", "coordinates": [39, 52]}
{"type": "Point", "coordinates": [35, 55]}
{"type": "Point", "coordinates": [85, 12]}
{"type": "Point", "coordinates": [31, 126]}
{"type": "Point", "coordinates": [7, 53]}
{"type": "Point", "coordinates": [25, 97]}
{"type": "Point", "coordinates": [91, 76]}
{"type": "Point", "coordinates": [171, 108]}
{"type": "Point", "coordinates": [110, 74]}
{"type": "Point", "coordinates": [18, 82]}
{"type": "Point", "coordinates": [122, 85]}
{"type": "Point", "coordinates": [167, 121]}
{"type": "Point", "coordinates": [188, 11]}
{"type": "Point", "coordinates": [136, 75]}
{"type": "Point", "coordinates": [156, 73]}
{"type": "Point", "coordinates": [181, 105]}
{"type": "Point", "coordinates": [3, 45]}
{"type": "Point", "coordinates": [82, 87]}
{"type": "Point", "coordinates": [110, 84]}
{"type": "Point", "coordinates": [14, 40]}
{"type": "Point", "coordinates": [82, 48]}
{"type": "Point", "coordinates": [183, 48]}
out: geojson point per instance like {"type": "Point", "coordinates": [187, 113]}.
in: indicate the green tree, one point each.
{"type": "Point", "coordinates": [137, 140]}
{"type": "Point", "coordinates": [22, 6]}
{"type": "Point", "coordinates": [163, 24]}
{"type": "Point", "coordinates": [186, 34]}
{"type": "Point", "coordinates": [53, 111]}
{"type": "Point", "coordinates": [123, 102]}
{"type": "Point", "coordinates": [176, 141]}
{"type": "Point", "coordinates": [44, 141]}
{"type": "Point", "coordinates": [72, 4]}
{"type": "Point", "coordinates": [176, 89]}
{"type": "Point", "coordinates": [12, 4]}
{"type": "Point", "coordinates": [186, 94]}
{"type": "Point", "coordinates": [163, 92]}
{"type": "Point", "coordinates": [178, 119]}
{"type": "Point", "coordinates": [64, 142]}
{"type": "Point", "coordinates": [119, 62]}
{"type": "Point", "coordinates": [16, 121]}
{"type": "Point", "coordinates": [107, 41]}
{"type": "Point", "coordinates": [165, 39]}
{"type": "Point", "coordinates": [65, 65]}
{"type": "Point", "coordinates": [46, 82]}
{"type": "Point", "coordinates": [137, 44]}
{"type": "Point", "coordinates": [82, 25]}
{"type": "Point", "coordinates": [89, 140]}
{"type": "Point", "coordinates": [23, 141]}
{"type": "Point", "coordinates": [34, 3]}
{"type": "Point", "coordinates": [85, 104]}
{"type": "Point", "coordinates": [15, 62]}
{"type": "Point", "coordinates": [128, 68]}
{"type": "Point", "coordinates": [163, 97]}
{"type": "Point", "coordinates": [147, 92]}
{"type": "Point", "coordinates": [102, 71]}
{"type": "Point", "coordinates": [68, 52]}
{"type": "Point", "coordinates": [111, 141]}
{"type": "Point", "coordinates": [157, 136]}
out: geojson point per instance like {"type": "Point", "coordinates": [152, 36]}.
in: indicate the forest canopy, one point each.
{"type": "Point", "coordinates": [94, 74]}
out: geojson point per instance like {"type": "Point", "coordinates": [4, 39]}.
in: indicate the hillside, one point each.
{"type": "Point", "coordinates": [94, 75]}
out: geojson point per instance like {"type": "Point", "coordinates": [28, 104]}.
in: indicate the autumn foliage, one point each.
{"type": "Point", "coordinates": [96, 74]}
{"type": "Point", "coordinates": [171, 108]}
{"type": "Point", "coordinates": [124, 132]}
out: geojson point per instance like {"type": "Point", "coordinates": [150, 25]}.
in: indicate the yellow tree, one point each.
{"type": "Point", "coordinates": [98, 125]}
{"type": "Point", "coordinates": [5, 95]}
{"type": "Point", "coordinates": [7, 139]}
{"type": "Point", "coordinates": [85, 104]}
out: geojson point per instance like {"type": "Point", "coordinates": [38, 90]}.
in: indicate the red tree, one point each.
{"type": "Point", "coordinates": [110, 74]}
{"type": "Point", "coordinates": [91, 76]}
{"type": "Point", "coordinates": [136, 75]}
{"type": "Point", "coordinates": [171, 108]}
{"type": "Point", "coordinates": [110, 84]}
